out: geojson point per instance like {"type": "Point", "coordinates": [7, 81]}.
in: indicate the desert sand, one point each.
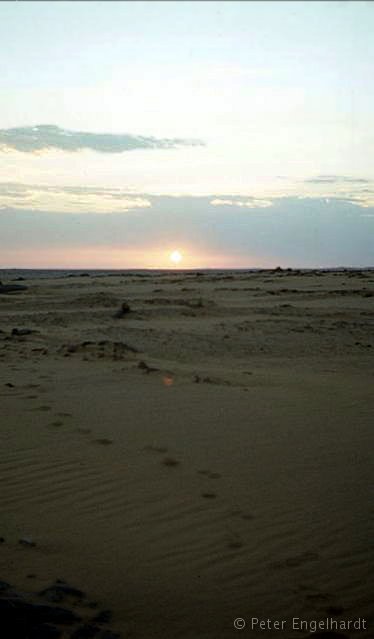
{"type": "Point", "coordinates": [203, 457]}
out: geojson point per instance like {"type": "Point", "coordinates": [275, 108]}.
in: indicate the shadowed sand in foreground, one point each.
{"type": "Point", "coordinates": [199, 455]}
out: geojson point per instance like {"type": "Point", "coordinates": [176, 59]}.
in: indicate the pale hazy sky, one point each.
{"type": "Point", "coordinates": [240, 133]}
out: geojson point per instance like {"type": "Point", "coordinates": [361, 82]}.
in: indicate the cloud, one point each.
{"type": "Point", "coordinates": [33, 139]}
{"type": "Point", "coordinates": [336, 179]}
{"type": "Point", "coordinates": [251, 202]}
{"type": "Point", "coordinates": [342, 188]}
{"type": "Point", "coordinates": [68, 199]}
{"type": "Point", "coordinates": [86, 200]}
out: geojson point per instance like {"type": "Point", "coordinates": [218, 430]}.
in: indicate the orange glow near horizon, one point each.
{"type": "Point", "coordinates": [107, 257]}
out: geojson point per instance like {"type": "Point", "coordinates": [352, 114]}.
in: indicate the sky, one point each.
{"type": "Point", "coordinates": [240, 134]}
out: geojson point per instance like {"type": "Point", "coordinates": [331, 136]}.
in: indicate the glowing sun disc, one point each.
{"type": "Point", "coordinates": [176, 257]}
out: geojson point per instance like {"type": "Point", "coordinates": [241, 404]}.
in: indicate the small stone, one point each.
{"type": "Point", "coordinates": [124, 310]}
{"type": "Point", "coordinates": [170, 461]}
{"type": "Point", "coordinates": [147, 369]}
{"type": "Point", "coordinates": [143, 365]}
{"type": "Point", "coordinates": [21, 331]}
{"type": "Point", "coordinates": [72, 348]}
{"type": "Point", "coordinates": [27, 541]}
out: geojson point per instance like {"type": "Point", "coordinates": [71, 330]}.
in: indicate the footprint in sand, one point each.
{"type": "Point", "coordinates": [234, 542]}
{"type": "Point", "coordinates": [156, 449]}
{"type": "Point", "coordinates": [246, 516]}
{"type": "Point", "coordinates": [167, 461]}
{"type": "Point", "coordinates": [296, 561]}
{"type": "Point", "coordinates": [208, 473]}
{"type": "Point", "coordinates": [103, 441]}
{"type": "Point", "coordinates": [170, 461]}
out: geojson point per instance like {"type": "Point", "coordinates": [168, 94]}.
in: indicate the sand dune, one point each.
{"type": "Point", "coordinates": [205, 457]}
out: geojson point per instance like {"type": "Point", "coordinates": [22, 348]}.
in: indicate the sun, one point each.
{"type": "Point", "coordinates": [176, 257]}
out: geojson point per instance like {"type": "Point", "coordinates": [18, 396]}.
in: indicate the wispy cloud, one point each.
{"type": "Point", "coordinates": [357, 190]}
{"type": "Point", "coordinates": [68, 199]}
{"type": "Point", "coordinates": [33, 139]}
{"type": "Point", "coordinates": [250, 203]}
{"type": "Point", "coordinates": [90, 199]}
{"type": "Point", "coordinates": [336, 179]}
